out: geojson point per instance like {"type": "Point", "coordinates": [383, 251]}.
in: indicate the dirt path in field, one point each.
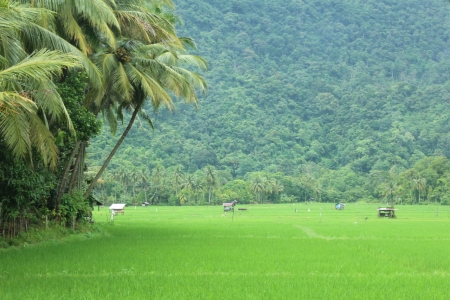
{"type": "Point", "coordinates": [312, 234]}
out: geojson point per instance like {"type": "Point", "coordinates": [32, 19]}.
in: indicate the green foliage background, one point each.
{"type": "Point", "coordinates": [354, 87]}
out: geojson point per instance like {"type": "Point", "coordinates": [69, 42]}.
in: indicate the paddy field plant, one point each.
{"type": "Point", "coordinates": [301, 251]}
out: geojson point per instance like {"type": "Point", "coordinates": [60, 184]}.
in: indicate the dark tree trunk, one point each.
{"type": "Point", "coordinates": [62, 185]}
{"type": "Point", "coordinates": [76, 168]}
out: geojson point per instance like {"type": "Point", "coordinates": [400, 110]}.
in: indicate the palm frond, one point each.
{"type": "Point", "coordinates": [143, 114]}
{"type": "Point", "coordinates": [100, 15]}
{"type": "Point", "coordinates": [41, 64]}
{"type": "Point", "coordinates": [150, 87]}
{"type": "Point", "coordinates": [193, 60]}
{"type": "Point", "coordinates": [188, 43]}
{"type": "Point", "coordinates": [14, 123]}
{"type": "Point", "coordinates": [72, 29]}
{"type": "Point", "coordinates": [10, 47]}
{"type": "Point", "coordinates": [109, 114]}
{"type": "Point", "coordinates": [194, 79]}
{"type": "Point", "coordinates": [44, 141]}
{"type": "Point", "coordinates": [121, 83]}
{"type": "Point", "coordinates": [51, 103]}
{"type": "Point", "coordinates": [97, 12]}
{"type": "Point", "coordinates": [145, 26]}
{"type": "Point", "coordinates": [40, 37]}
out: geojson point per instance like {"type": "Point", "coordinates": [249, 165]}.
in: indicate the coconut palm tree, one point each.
{"type": "Point", "coordinates": [388, 190]}
{"type": "Point", "coordinates": [157, 179]}
{"type": "Point", "coordinates": [198, 187]}
{"type": "Point", "coordinates": [177, 178]}
{"type": "Point", "coordinates": [420, 184]}
{"type": "Point", "coordinates": [144, 179]}
{"type": "Point", "coordinates": [275, 187]}
{"type": "Point", "coordinates": [138, 73]}
{"type": "Point", "coordinates": [211, 180]}
{"type": "Point", "coordinates": [188, 185]}
{"type": "Point", "coordinates": [124, 179]}
{"type": "Point", "coordinates": [145, 66]}
{"type": "Point", "coordinates": [258, 186]}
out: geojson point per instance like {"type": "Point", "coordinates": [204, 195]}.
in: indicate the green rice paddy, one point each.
{"type": "Point", "coordinates": [265, 252]}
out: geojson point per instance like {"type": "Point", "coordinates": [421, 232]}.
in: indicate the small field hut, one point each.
{"type": "Point", "coordinates": [118, 208]}
{"type": "Point", "coordinates": [386, 212]}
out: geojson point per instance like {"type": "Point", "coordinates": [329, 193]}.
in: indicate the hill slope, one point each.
{"type": "Point", "coordinates": [361, 84]}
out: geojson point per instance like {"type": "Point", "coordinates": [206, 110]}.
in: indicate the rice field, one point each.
{"type": "Point", "coordinates": [301, 251]}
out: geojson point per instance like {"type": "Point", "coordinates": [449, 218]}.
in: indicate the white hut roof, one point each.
{"type": "Point", "coordinates": [117, 206]}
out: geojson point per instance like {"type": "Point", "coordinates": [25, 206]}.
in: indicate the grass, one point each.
{"type": "Point", "coordinates": [266, 252]}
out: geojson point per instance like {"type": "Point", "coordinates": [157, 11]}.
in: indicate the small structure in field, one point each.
{"type": "Point", "coordinates": [339, 206]}
{"type": "Point", "coordinates": [118, 208]}
{"type": "Point", "coordinates": [229, 206]}
{"type": "Point", "coordinates": [386, 212]}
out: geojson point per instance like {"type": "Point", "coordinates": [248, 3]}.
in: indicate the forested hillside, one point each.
{"type": "Point", "coordinates": [349, 88]}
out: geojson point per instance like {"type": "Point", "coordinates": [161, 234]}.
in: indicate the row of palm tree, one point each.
{"type": "Point", "coordinates": [428, 181]}
{"type": "Point", "coordinates": [159, 184]}
{"type": "Point", "coordinates": [393, 187]}
{"type": "Point", "coordinates": [129, 183]}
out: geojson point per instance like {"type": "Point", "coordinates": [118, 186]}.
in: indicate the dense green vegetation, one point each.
{"type": "Point", "coordinates": [266, 252]}
{"type": "Point", "coordinates": [62, 65]}
{"type": "Point", "coordinates": [334, 100]}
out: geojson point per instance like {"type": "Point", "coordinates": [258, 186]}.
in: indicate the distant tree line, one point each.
{"type": "Point", "coordinates": [427, 182]}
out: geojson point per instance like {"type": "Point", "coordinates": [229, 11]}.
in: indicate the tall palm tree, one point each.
{"type": "Point", "coordinates": [389, 190]}
{"type": "Point", "coordinates": [275, 187]}
{"type": "Point", "coordinates": [157, 179]}
{"type": "Point", "coordinates": [144, 178]}
{"type": "Point", "coordinates": [258, 186]}
{"type": "Point", "coordinates": [211, 180]}
{"type": "Point", "coordinates": [116, 176]}
{"type": "Point", "coordinates": [188, 185]}
{"type": "Point", "coordinates": [198, 187]}
{"type": "Point", "coordinates": [124, 179]}
{"type": "Point", "coordinates": [134, 180]}
{"type": "Point", "coordinates": [146, 65]}
{"type": "Point", "coordinates": [177, 178]}
{"type": "Point", "coordinates": [35, 24]}
{"type": "Point", "coordinates": [420, 184]}
{"type": "Point", "coordinates": [138, 73]}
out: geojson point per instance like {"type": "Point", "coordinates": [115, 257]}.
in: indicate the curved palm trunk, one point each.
{"type": "Point", "coordinates": [77, 170]}
{"type": "Point", "coordinates": [113, 151]}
